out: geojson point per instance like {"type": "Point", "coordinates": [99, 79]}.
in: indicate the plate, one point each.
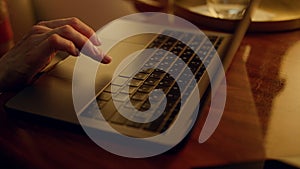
{"type": "Point", "coordinates": [271, 16]}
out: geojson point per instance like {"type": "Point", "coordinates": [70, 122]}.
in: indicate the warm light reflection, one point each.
{"type": "Point", "coordinates": [283, 135]}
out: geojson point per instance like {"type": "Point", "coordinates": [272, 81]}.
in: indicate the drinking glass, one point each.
{"type": "Point", "coordinates": [227, 9]}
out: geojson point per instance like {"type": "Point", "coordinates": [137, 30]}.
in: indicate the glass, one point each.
{"type": "Point", "coordinates": [227, 9]}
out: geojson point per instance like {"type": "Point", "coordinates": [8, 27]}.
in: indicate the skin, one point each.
{"type": "Point", "coordinates": [35, 51]}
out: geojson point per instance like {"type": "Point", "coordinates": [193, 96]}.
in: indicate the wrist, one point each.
{"type": "Point", "coordinates": [14, 76]}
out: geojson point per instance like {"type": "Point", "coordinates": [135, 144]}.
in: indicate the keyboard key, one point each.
{"type": "Point", "coordinates": [194, 45]}
{"type": "Point", "coordinates": [108, 89]}
{"type": "Point", "coordinates": [173, 33]}
{"type": "Point", "coordinates": [168, 44]}
{"type": "Point", "coordinates": [137, 104]}
{"type": "Point", "coordinates": [150, 64]}
{"type": "Point", "coordinates": [187, 55]}
{"type": "Point", "coordinates": [141, 76]}
{"type": "Point", "coordinates": [140, 96]}
{"type": "Point", "coordinates": [211, 54]}
{"type": "Point", "coordinates": [121, 97]}
{"type": "Point", "coordinates": [156, 98]}
{"type": "Point", "coordinates": [146, 89]}
{"type": "Point", "coordinates": [118, 119]}
{"type": "Point", "coordinates": [158, 55]}
{"type": "Point", "coordinates": [104, 96]}
{"type": "Point", "coordinates": [127, 110]}
{"type": "Point", "coordinates": [135, 83]}
{"type": "Point", "coordinates": [146, 106]}
{"type": "Point", "coordinates": [167, 63]}
{"type": "Point", "coordinates": [181, 82]}
{"type": "Point", "coordinates": [179, 64]}
{"type": "Point", "coordinates": [170, 107]}
{"type": "Point", "coordinates": [173, 96]}
{"type": "Point", "coordinates": [176, 50]}
{"type": "Point", "coordinates": [196, 59]}
{"type": "Point", "coordinates": [147, 70]}
{"type": "Point", "coordinates": [200, 73]}
{"type": "Point", "coordinates": [158, 39]}
{"type": "Point", "coordinates": [157, 73]}
{"type": "Point", "coordinates": [167, 81]}
{"type": "Point", "coordinates": [186, 75]}
{"type": "Point", "coordinates": [151, 81]}
{"type": "Point", "coordinates": [101, 103]}
{"type": "Point", "coordinates": [170, 57]}
{"type": "Point", "coordinates": [119, 81]}
{"type": "Point", "coordinates": [194, 66]}
{"type": "Point", "coordinates": [174, 70]}
{"type": "Point", "coordinates": [180, 45]}
{"type": "Point", "coordinates": [175, 89]}
{"type": "Point", "coordinates": [128, 90]}
{"type": "Point", "coordinates": [186, 37]}
{"type": "Point", "coordinates": [204, 49]}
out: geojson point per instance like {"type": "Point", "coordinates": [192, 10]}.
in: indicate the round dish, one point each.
{"type": "Point", "coordinates": [271, 16]}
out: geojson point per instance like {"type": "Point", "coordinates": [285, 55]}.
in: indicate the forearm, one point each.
{"type": "Point", "coordinates": [13, 76]}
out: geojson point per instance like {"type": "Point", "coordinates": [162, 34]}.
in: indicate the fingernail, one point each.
{"type": "Point", "coordinates": [106, 59]}
{"type": "Point", "coordinates": [100, 56]}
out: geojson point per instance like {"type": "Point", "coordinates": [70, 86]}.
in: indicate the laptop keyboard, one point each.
{"type": "Point", "coordinates": [139, 85]}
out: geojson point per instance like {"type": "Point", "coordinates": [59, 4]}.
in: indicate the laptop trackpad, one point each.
{"type": "Point", "coordinates": [64, 69]}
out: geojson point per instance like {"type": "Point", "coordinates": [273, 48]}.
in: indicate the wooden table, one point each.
{"type": "Point", "coordinates": [244, 134]}
{"type": "Point", "coordinates": [273, 68]}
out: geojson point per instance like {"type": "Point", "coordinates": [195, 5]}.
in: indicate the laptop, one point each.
{"type": "Point", "coordinates": [78, 94]}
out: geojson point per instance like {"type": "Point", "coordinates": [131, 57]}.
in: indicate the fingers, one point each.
{"type": "Point", "coordinates": [77, 25]}
{"type": "Point", "coordinates": [102, 57]}
{"type": "Point", "coordinates": [46, 49]}
{"type": "Point", "coordinates": [36, 49]}
{"type": "Point", "coordinates": [73, 35]}
{"type": "Point", "coordinates": [106, 59]}
{"type": "Point", "coordinates": [57, 42]}
{"type": "Point", "coordinates": [70, 34]}
{"type": "Point", "coordinates": [81, 42]}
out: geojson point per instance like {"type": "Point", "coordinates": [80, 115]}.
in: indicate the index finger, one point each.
{"type": "Point", "coordinates": [76, 24]}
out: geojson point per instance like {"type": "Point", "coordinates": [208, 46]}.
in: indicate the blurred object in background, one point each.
{"type": "Point", "coordinates": [152, 5]}
{"type": "Point", "coordinates": [6, 34]}
{"type": "Point", "coordinates": [271, 15]}
{"type": "Point", "coordinates": [227, 9]}
{"type": "Point", "coordinates": [22, 17]}
{"type": "Point", "coordinates": [95, 13]}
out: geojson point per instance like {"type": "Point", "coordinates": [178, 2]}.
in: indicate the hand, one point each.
{"type": "Point", "coordinates": [35, 51]}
